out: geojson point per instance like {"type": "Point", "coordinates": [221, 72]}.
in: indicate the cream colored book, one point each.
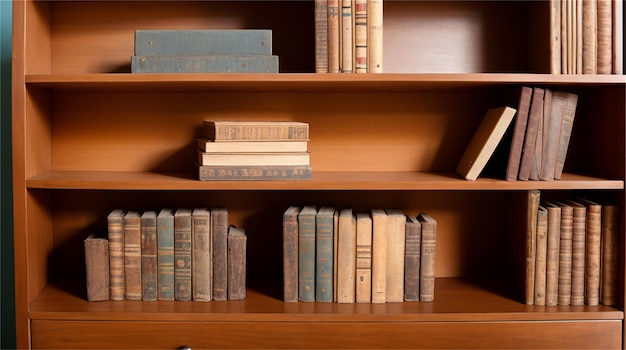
{"type": "Point", "coordinates": [396, 222]}
{"type": "Point", "coordinates": [206, 145]}
{"type": "Point", "coordinates": [379, 256]}
{"type": "Point", "coordinates": [346, 257]}
{"type": "Point", "coordinates": [485, 140]}
{"type": "Point", "coordinates": [270, 158]}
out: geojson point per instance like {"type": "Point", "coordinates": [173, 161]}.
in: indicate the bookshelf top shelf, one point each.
{"type": "Point", "coordinates": [307, 82]}
{"type": "Point", "coordinates": [322, 180]}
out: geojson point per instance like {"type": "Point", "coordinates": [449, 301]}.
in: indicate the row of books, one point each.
{"type": "Point", "coordinates": [337, 255]}
{"type": "Point", "coordinates": [183, 254]}
{"type": "Point", "coordinates": [204, 51]}
{"type": "Point", "coordinates": [572, 252]}
{"type": "Point", "coordinates": [349, 36]}
{"type": "Point", "coordinates": [253, 150]}
{"type": "Point", "coordinates": [586, 37]}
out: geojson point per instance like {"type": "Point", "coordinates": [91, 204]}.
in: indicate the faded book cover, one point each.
{"type": "Point", "coordinates": [552, 253]}
{"type": "Point", "coordinates": [567, 124]}
{"type": "Point", "coordinates": [519, 130]}
{"type": "Point", "coordinates": [321, 36]}
{"type": "Point", "coordinates": [593, 254]}
{"type": "Point", "coordinates": [541, 256]}
{"type": "Point", "coordinates": [223, 130]}
{"type": "Point", "coordinates": [182, 254]}
{"type": "Point", "coordinates": [530, 139]}
{"type": "Point", "coordinates": [115, 227]}
{"type": "Point", "coordinates": [396, 222]}
{"type": "Point", "coordinates": [254, 172]}
{"type": "Point", "coordinates": [165, 254]}
{"type": "Point", "coordinates": [375, 36]}
{"type": "Point", "coordinates": [334, 43]}
{"type": "Point", "coordinates": [149, 267]}
{"type": "Point", "coordinates": [346, 257]}
{"type": "Point", "coordinates": [379, 256]}
{"type": "Point", "coordinates": [610, 254]}
{"type": "Point", "coordinates": [290, 254]}
{"type": "Point", "coordinates": [363, 258]}
{"type": "Point", "coordinates": [132, 255]}
{"type": "Point", "coordinates": [324, 249]}
{"type": "Point", "coordinates": [97, 267]}
{"type": "Point", "coordinates": [219, 233]}
{"type": "Point", "coordinates": [237, 248]}
{"type": "Point", "coordinates": [202, 255]}
{"type": "Point", "coordinates": [413, 248]}
{"type": "Point", "coordinates": [360, 36]}
{"type": "Point", "coordinates": [306, 254]}
{"type": "Point", "coordinates": [565, 254]}
{"type": "Point", "coordinates": [578, 253]}
{"type": "Point", "coordinates": [427, 263]}
{"type": "Point", "coordinates": [532, 207]}
{"type": "Point", "coordinates": [204, 64]}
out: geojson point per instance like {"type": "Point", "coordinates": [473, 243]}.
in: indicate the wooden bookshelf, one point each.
{"type": "Point", "coordinates": [90, 137]}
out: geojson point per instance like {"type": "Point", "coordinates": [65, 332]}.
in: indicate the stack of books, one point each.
{"type": "Point", "coordinates": [572, 252]}
{"type": "Point", "coordinates": [337, 255]}
{"type": "Point", "coordinates": [204, 51]}
{"type": "Point", "coordinates": [182, 254]}
{"type": "Point", "coordinates": [254, 150]}
{"type": "Point", "coordinates": [348, 36]}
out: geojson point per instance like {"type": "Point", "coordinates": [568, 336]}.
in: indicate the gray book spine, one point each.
{"type": "Point", "coordinates": [204, 64]}
{"type": "Point", "coordinates": [204, 42]}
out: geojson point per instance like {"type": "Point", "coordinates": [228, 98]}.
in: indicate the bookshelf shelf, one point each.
{"type": "Point", "coordinates": [90, 137]}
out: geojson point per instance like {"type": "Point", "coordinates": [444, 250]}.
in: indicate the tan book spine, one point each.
{"type": "Point", "coordinates": [335, 249]}
{"type": "Point", "coordinates": [132, 255]}
{"type": "Point", "coordinates": [115, 223]}
{"type": "Point", "coordinates": [224, 131]}
{"type": "Point", "coordinates": [290, 254]}
{"type": "Point", "coordinates": [552, 117]}
{"type": "Point", "coordinates": [237, 247]}
{"type": "Point", "coordinates": [363, 258]}
{"type": "Point", "coordinates": [346, 36]}
{"type": "Point", "coordinates": [396, 222]}
{"type": "Point", "coordinates": [149, 268]}
{"type": "Point", "coordinates": [333, 36]}
{"type": "Point", "coordinates": [578, 36]}
{"type": "Point", "coordinates": [375, 36]}
{"type": "Point", "coordinates": [555, 36]}
{"type": "Point", "coordinates": [346, 257]}
{"type": "Point", "coordinates": [618, 37]}
{"type": "Point", "coordinates": [360, 37]}
{"type": "Point", "coordinates": [567, 124]}
{"type": "Point", "coordinates": [519, 130]}
{"type": "Point", "coordinates": [605, 36]}
{"type": "Point", "coordinates": [219, 240]}
{"type": "Point", "coordinates": [321, 36]}
{"type": "Point", "coordinates": [565, 254]}
{"type": "Point", "coordinates": [578, 253]}
{"type": "Point", "coordinates": [379, 256]}
{"type": "Point", "coordinates": [427, 263]}
{"type": "Point", "coordinates": [593, 252]}
{"type": "Point", "coordinates": [412, 258]}
{"type": "Point", "coordinates": [590, 18]}
{"type": "Point", "coordinates": [535, 170]}
{"type": "Point", "coordinates": [183, 228]}
{"type": "Point", "coordinates": [542, 252]}
{"type": "Point", "coordinates": [97, 267]}
{"type": "Point", "coordinates": [552, 253]}
{"type": "Point", "coordinates": [533, 199]}
{"type": "Point", "coordinates": [564, 38]}
{"type": "Point", "coordinates": [530, 140]}
{"type": "Point", "coordinates": [610, 254]}
{"type": "Point", "coordinates": [201, 253]}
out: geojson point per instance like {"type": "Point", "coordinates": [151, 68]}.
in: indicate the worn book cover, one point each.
{"type": "Point", "coordinates": [290, 254]}
{"type": "Point", "coordinates": [254, 172]}
{"type": "Point", "coordinates": [565, 254]}
{"type": "Point", "coordinates": [541, 256]}
{"type": "Point", "coordinates": [97, 267]}
{"type": "Point", "coordinates": [306, 254]}
{"type": "Point", "coordinates": [132, 255]}
{"type": "Point", "coordinates": [182, 254]}
{"type": "Point", "coordinates": [532, 128]}
{"type": "Point", "coordinates": [115, 227]}
{"type": "Point", "coordinates": [202, 255]}
{"type": "Point", "coordinates": [224, 130]}
{"type": "Point", "coordinates": [324, 249]}
{"type": "Point", "coordinates": [578, 252]}
{"type": "Point", "coordinates": [427, 264]}
{"type": "Point", "coordinates": [254, 159]}
{"type": "Point", "coordinates": [412, 259]}
{"type": "Point", "coordinates": [165, 254]}
{"type": "Point", "coordinates": [219, 233]}
{"type": "Point", "coordinates": [236, 264]}
{"type": "Point", "coordinates": [552, 253]}
{"type": "Point", "coordinates": [396, 222]}
{"type": "Point", "coordinates": [363, 258]}
{"type": "Point", "coordinates": [379, 255]}
{"type": "Point", "coordinates": [149, 256]}
{"type": "Point", "coordinates": [346, 257]}
{"type": "Point", "coordinates": [593, 253]}
{"type": "Point", "coordinates": [204, 64]}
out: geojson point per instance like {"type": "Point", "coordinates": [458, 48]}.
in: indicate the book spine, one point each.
{"type": "Point", "coordinates": [132, 255]}
{"type": "Point", "coordinates": [346, 36]}
{"type": "Point", "coordinates": [324, 232]}
{"type": "Point", "coordinates": [237, 242]}
{"type": "Point", "coordinates": [321, 36]}
{"type": "Point", "coordinates": [219, 232]}
{"type": "Point", "coordinates": [346, 259]}
{"type": "Point", "coordinates": [182, 255]}
{"type": "Point", "coordinates": [148, 256]}
{"type": "Point", "coordinates": [610, 254]}
{"type": "Point", "coordinates": [204, 42]}
{"type": "Point", "coordinates": [290, 254]}
{"type": "Point", "coordinates": [412, 260]}
{"type": "Point", "coordinates": [115, 227]}
{"type": "Point", "coordinates": [552, 254]}
{"type": "Point", "coordinates": [565, 255]}
{"type": "Point", "coordinates": [541, 257]}
{"type": "Point", "coordinates": [605, 36]}
{"type": "Point", "coordinates": [259, 133]}
{"type": "Point", "coordinates": [567, 124]}
{"type": "Point", "coordinates": [578, 256]}
{"type": "Point", "coordinates": [590, 17]}
{"type": "Point", "coordinates": [551, 130]}
{"type": "Point", "coordinates": [396, 222]}
{"type": "Point", "coordinates": [333, 36]}
{"type": "Point", "coordinates": [593, 254]}
{"type": "Point", "coordinates": [519, 130]}
{"type": "Point", "coordinates": [244, 172]}
{"type": "Point", "coordinates": [363, 258]}
{"type": "Point", "coordinates": [306, 254]}
{"type": "Point", "coordinates": [97, 268]}
{"type": "Point", "coordinates": [360, 36]}
{"type": "Point", "coordinates": [618, 37]}
{"type": "Point", "coordinates": [427, 264]}
{"type": "Point", "coordinates": [202, 255]}
{"type": "Point", "coordinates": [379, 256]}
{"type": "Point", "coordinates": [165, 254]}
{"type": "Point", "coordinates": [375, 36]}
{"type": "Point", "coordinates": [204, 64]}
{"type": "Point", "coordinates": [533, 199]}
{"type": "Point", "coordinates": [532, 127]}
{"type": "Point", "coordinates": [555, 36]}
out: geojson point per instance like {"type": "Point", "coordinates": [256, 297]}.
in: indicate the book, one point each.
{"type": "Point", "coordinates": [97, 267]}
{"type": "Point", "coordinates": [149, 264]}
{"type": "Point", "coordinates": [201, 255]}
{"type": "Point", "coordinates": [412, 257]}
{"type": "Point", "coordinates": [541, 256]}
{"type": "Point", "coordinates": [254, 159]}
{"type": "Point", "coordinates": [590, 53]}
{"type": "Point", "coordinates": [334, 31]}
{"type": "Point", "coordinates": [553, 113]}
{"type": "Point", "coordinates": [324, 251]}
{"type": "Point", "coordinates": [484, 142]}
{"type": "Point", "coordinates": [567, 124]}
{"type": "Point", "coordinates": [552, 253]}
{"type": "Point", "coordinates": [335, 250]}
{"type": "Point", "coordinates": [610, 254]}
{"type": "Point", "coordinates": [565, 254]}
{"type": "Point", "coordinates": [375, 36]}
{"type": "Point", "coordinates": [132, 255]}
{"type": "Point", "coordinates": [269, 146]}
{"type": "Point", "coordinates": [222, 130]}
{"type": "Point", "coordinates": [219, 242]}
{"type": "Point", "coordinates": [360, 36]}
{"type": "Point", "coordinates": [165, 254]}
{"type": "Point", "coordinates": [237, 247]}
{"type": "Point", "coordinates": [379, 255]}
{"type": "Point", "coordinates": [306, 253]}
{"type": "Point", "coordinates": [346, 257]}
{"type": "Point", "coordinates": [183, 228]}
{"type": "Point", "coordinates": [204, 42]}
{"type": "Point", "coordinates": [321, 36]}
{"type": "Point", "coordinates": [578, 253]}
{"type": "Point", "coordinates": [346, 36]}
{"type": "Point", "coordinates": [363, 258]}
{"type": "Point", "coordinates": [519, 130]}
{"type": "Point", "coordinates": [290, 254]}
{"type": "Point", "coordinates": [537, 161]}
{"type": "Point", "coordinates": [204, 64]}
{"type": "Point", "coordinates": [605, 36]}
{"type": "Point", "coordinates": [532, 206]}
{"type": "Point", "coordinates": [396, 222]}
{"type": "Point", "coordinates": [115, 228]}
{"type": "Point", "coordinates": [427, 263]}
{"type": "Point", "coordinates": [555, 36]}
{"type": "Point", "coordinates": [593, 254]}
{"type": "Point", "coordinates": [254, 172]}
{"type": "Point", "coordinates": [530, 139]}
{"type": "Point", "coordinates": [618, 37]}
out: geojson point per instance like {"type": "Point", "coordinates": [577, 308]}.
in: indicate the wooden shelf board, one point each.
{"type": "Point", "coordinates": [306, 82]}
{"type": "Point", "coordinates": [325, 180]}
{"type": "Point", "coordinates": [456, 299]}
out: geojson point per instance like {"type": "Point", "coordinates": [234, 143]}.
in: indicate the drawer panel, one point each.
{"type": "Point", "coordinates": [255, 335]}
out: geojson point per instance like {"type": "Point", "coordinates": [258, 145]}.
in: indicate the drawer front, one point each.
{"type": "Point", "coordinates": [255, 335]}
